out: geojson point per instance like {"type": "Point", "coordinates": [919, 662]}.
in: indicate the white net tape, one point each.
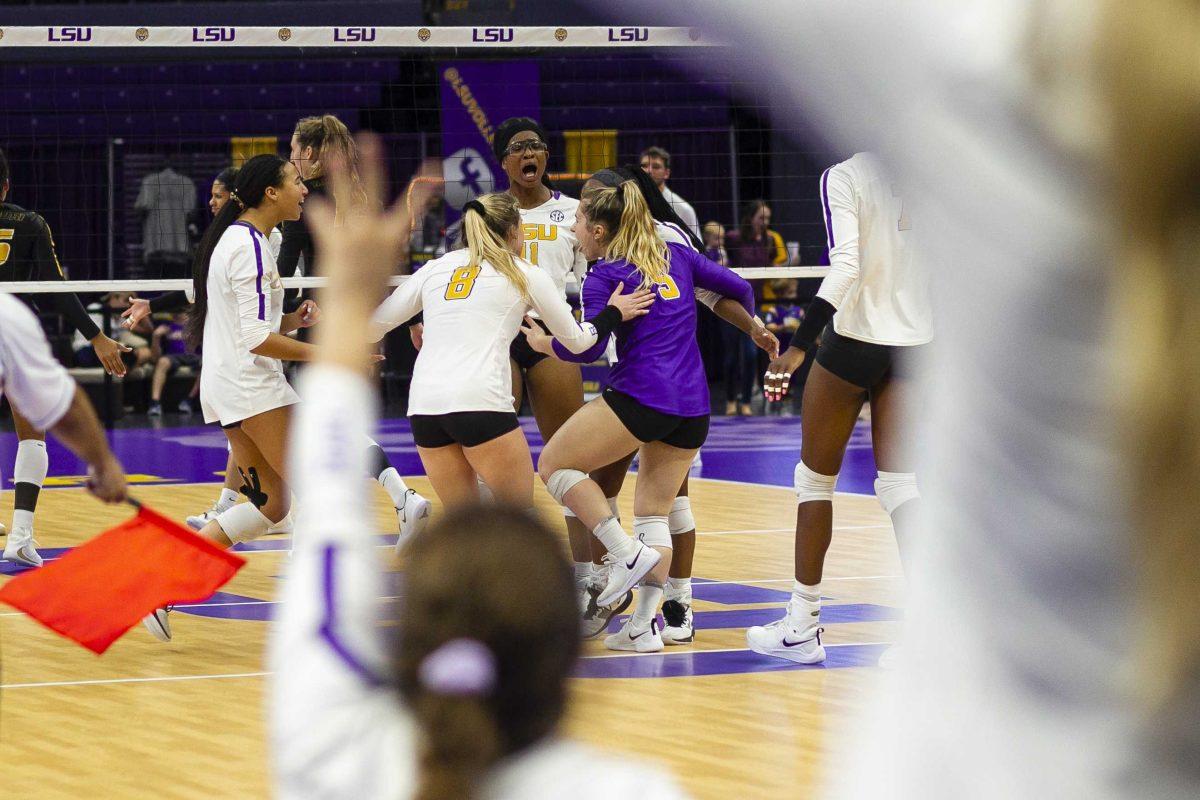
{"type": "Point", "coordinates": [50, 287]}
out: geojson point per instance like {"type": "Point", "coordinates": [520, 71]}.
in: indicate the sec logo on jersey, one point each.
{"type": "Point", "coordinates": [467, 176]}
{"type": "Point", "coordinates": [557, 216]}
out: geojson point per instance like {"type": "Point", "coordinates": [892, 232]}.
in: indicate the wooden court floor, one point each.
{"type": "Point", "coordinates": [185, 719]}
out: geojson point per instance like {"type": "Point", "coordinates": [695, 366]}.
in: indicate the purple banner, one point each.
{"type": "Point", "coordinates": [476, 97]}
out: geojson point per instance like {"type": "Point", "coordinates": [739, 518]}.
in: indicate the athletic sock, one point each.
{"type": "Point", "coordinates": [804, 608]}
{"type": "Point", "coordinates": [228, 497]}
{"type": "Point", "coordinates": [614, 538]}
{"type": "Point", "coordinates": [29, 473]}
{"type": "Point", "coordinates": [583, 571]}
{"type": "Point", "coordinates": [394, 485]}
{"type": "Point", "coordinates": [648, 598]}
{"type": "Point", "coordinates": [679, 590]}
{"type": "Point", "coordinates": [612, 506]}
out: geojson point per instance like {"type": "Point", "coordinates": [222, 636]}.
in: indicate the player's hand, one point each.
{"type": "Point", "coordinates": [764, 339]}
{"type": "Point", "coordinates": [779, 373]}
{"type": "Point", "coordinates": [416, 332]}
{"type": "Point", "coordinates": [138, 310]}
{"type": "Point", "coordinates": [308, 314]}
{"type": "Point", "coordinates": [537, 338]}
{"type": "Point", "coordinates": [631, 305]}
{"type": "Point", "coordinates": [106, 481]}
{"type": "Point", "coordinates": [109, 353]}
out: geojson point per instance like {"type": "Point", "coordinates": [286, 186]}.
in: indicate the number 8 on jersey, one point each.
{"type": "Point", "coordinates": [462, 281]}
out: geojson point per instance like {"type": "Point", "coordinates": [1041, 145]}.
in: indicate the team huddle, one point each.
{"type": "Point", "coordinates": [492, 324]}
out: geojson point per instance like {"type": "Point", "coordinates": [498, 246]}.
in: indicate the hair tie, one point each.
{"type": "Point", "coordinates": [474, 205]}
{"type": "Point", "coordinates": [233, 195]}
{"type": "Point", "coordinates": [463, 667]}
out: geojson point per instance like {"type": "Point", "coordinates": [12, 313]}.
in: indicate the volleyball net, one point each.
{"type": "Point", "coordinates": [114, 134]}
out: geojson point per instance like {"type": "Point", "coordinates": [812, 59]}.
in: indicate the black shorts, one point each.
{"type": "Point", "coordinates": [465, 428]}
{"type": "Point", "coordinates": [864, 364]}
{"type": "Point", "coordinates": [648, 425]}
{"type": "Point", "coordinates": [524, 355]}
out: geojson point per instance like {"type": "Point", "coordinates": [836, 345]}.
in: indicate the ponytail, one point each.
{"type": "Point", "coordinates": [328, 136]}
{"type": "Point", "coordinates": [486, 223]}
{"type": "Point", "coordinates": [249, 186]}
{"type": "Point", "coordinates": [484, 672]}
{"type": "Point", "coordinates": [632, 237]}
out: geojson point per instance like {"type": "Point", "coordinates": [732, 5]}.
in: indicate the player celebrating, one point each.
{"type": "Point", "coordinates": [461, 403]}
{"type": "Point", "coordinates": [878, 300]}
{"type": "Point", "coordinates": [468, 699]}
{"type": "Point", "coordinates": [555, 388]}
{"type": "Point", "coordinates": [238, 316]}
{"type": "Point", "coordinates": [27, 254]}
{"type": "Point", "coordinates": [678, 625]}
{"type": "Point", "coordinates": [656, 401]}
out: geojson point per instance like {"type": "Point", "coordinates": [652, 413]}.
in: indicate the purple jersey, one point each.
{"type": "Point", "coordinates": [658, 357]}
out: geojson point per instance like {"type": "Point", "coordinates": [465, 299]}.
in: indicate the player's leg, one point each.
{"type": "Point", "coordinates": [29, 473]}
{"type": "Point", "coordinates": [831, 406]}
{"type": "Point", "coordinates": [677, 594]}
{"type": "Point", "coordinates": [896, 486]}
{"type": "Point", "coordinates": [593, 577]}
{"type": "Point", "coordinates": [450, 474]}
{"type": "Point", "coordinates": [555, 393]}
{"type": "Point", "coordinates": [506, 467]}
{"type": "Point", "coordinates": [412, 510]}
{"type": "Point", "coordinates": [592, 438]}
{"type": "Point", "coordinates": [661, 471]}
{"type": "Point", "coordinates": [162, 369]}
{"type": "Point", "coordinates": [259, 452]}
{"type": "Point", "coordinates": [229, 494]}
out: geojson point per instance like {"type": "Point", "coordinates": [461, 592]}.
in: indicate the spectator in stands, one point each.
{"type": "Point", "coordinates": [135, 338]}
{"type": "Point", "coordinates": [714, 243]}
{"type": "Point", "coordinates": [170, 345]}
{"type": "Point", "coordinates": [753, 244]}
{"type": "Point", "coordinates": [656, 162]}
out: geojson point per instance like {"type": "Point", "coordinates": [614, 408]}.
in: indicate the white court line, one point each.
{"type": "Point", "coordinates": [171, 678]}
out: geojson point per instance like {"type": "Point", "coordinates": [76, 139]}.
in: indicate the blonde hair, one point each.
{"type": "Point", "coordinates": [486, 236]}
{"type": "Point", "coordinates": [327, 135]}
{"type": "Point", "coordinates": [632, 237]}
{"type": "Point", "coordinates": [1151, 79]}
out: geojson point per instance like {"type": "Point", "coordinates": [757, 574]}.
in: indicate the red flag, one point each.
{"type": "Point", "coordinates": [104, 587]}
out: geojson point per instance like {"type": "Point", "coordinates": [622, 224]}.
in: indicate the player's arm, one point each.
{"type": "Point", "coordinates": [400, 306]}
{"type": "Point", "coordinates": [339, 728]}
{"type": "Point", "coordinates": [42, 390]}
{"type": "Point", "coordinates": [597, 291]}
{"type": "Point", "coordinates": [710, 276]}
{"type": "Point", "coordinates": [576, 338]}
{"type": "Point", "coordinates": [254, 329]}
{"type": "Point", "coordinates": [841, 229]}
{"type": "Point", "coordinates": [46, 267]}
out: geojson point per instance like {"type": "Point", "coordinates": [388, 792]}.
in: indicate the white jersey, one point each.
{"type": "Point", "coordinates": [245, 305]}
{"type": "Point", "coordinates": [37, 385]}
{"type": "Point", "coordinates": [274, 242]}
{"type": "Point", "coordinates": [880, 291]}
{"type": "Point", "coordinates": [683, 208]}
{"type": "Point", "coordinates": [471, 318]}
{"type": "Point", "coordinates": [550, 243]}
{"type": "Point", "coordinates": [338, 727]}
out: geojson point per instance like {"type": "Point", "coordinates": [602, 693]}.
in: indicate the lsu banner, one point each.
{"type": "Point", "coordinates": [353, 37]}
{"type": "Point", "coordinates": [476, 97]}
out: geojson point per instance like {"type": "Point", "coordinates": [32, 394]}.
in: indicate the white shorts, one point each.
{"type": "Point", "coordinates": [226, 402]}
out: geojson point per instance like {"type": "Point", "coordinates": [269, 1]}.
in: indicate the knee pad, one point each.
{"type": "Point", "coordinates": [569, 514]}
{"type": "Point", "coordinates": [612, 506]}
{"type": "Point", "coordinates": [681, 519]}
{"type": "Point", "coordinates": [652, 531]}
{"type": "Point", "coordinates": [812, 486]}
{"type": "Point", "coordinates": [562, 481]}
{"type": "Point", "coordinates": [243, 522]}
{"type": "Point", "coordinates": [894, 489]}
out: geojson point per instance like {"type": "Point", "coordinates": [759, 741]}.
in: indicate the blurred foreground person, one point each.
{"type": "Point", "coordinates": [1051, 148]}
